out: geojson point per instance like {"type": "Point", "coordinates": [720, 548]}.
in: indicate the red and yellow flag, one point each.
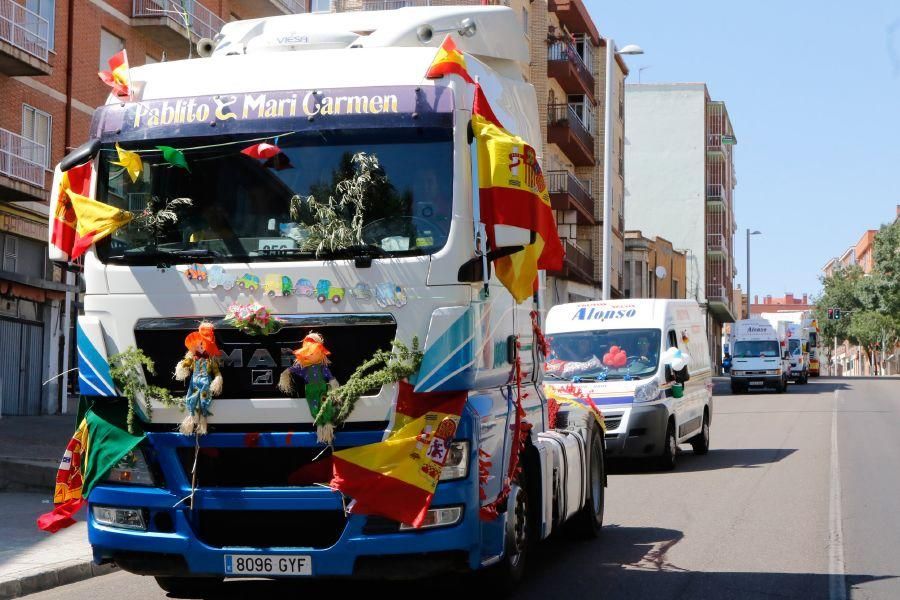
{"type": "Point", "coordinates": [77, 179]}
{"type": "Point", "coordinates": [448, 60]}
{"type": "Point", "coordinates": [94, 221]}
{"type": "Point", "coordinates": [117, 77]}
{"type": "Point", "coordinates": [69, 483]}
{"type": "Point", "coordinates": [396, 478]}
{"type": "Point", "coordinates": [512, 191]}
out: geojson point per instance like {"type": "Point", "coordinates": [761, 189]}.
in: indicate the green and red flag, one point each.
{"type": "Point", "coordinates": [99, 443]}
{"type": "Point", "coordinates": [512, 191]}
{"type": "Point", "coordinates": [396, 478]}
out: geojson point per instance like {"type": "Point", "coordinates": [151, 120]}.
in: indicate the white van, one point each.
{"type": "Point", "coordinates": [614, 353]}
{"type": "Point", "coordinates": [759, 356]}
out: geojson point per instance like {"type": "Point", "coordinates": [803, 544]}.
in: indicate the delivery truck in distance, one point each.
{"type": "Point", "coordinates": [759, 360]}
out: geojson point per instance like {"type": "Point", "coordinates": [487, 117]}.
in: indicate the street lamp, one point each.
{"type": "Point", "coordinates": [749, 233]}
{"type": "Point", "coordinates": [630, 49]}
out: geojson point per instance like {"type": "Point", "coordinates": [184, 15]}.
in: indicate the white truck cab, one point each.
{"type": "Point", "coordinates": [614, 353]}
{"type": "Point", "coordinates": [758, 358]}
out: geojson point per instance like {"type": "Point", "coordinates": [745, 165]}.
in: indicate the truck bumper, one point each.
{"type": "Point", "coordinates": [756, 381]}
{"type": "Point", "coordinates": [641, 430]}
{"type": "Point", "coordinates": [184, 541]}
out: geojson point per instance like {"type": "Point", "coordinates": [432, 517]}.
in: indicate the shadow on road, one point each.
{"type": "Point", "coordinates": [626, 562]}
{"type": "Point", "coordinates": [726, 458]}
{"type": "Point", "coordinates": [818, 385]}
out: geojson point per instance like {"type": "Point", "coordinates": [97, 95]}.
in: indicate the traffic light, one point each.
{"type": "Point", "coordinates": [837, 314]}
{"type": "Point", "coordinates": [830, 313]}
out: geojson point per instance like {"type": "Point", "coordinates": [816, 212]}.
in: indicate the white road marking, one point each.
{"type": "Point", "coordinates": [837, 585]}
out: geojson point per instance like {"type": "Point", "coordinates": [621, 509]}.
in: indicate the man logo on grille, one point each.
{"type": "Point", "coordinates": [261, 377]}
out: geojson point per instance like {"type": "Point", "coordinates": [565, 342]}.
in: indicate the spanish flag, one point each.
{"type": "Point", "coordinates": [77, 179]}
{"type": "Point", "coordinates": [512, 191]}
{"type": "Point", "coordinates": [117, 77]}
{"type": "Point", "coordinates": [95, 221]}
{"type": "Point", "coordinates": [396, 478]}
{"type": "Point", "coordinates": [99, 443]}
{"type": "Point", "coordinates": [448, 60]}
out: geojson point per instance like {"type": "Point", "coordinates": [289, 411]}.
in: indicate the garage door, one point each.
{"type": "Point", "coordinates": [20, 367]}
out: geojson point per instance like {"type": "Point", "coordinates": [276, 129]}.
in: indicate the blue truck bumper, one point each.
{"type": "Point", "coordinates": [183, 541]}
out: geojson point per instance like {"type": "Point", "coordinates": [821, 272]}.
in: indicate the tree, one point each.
{"type": "Point", "coordinates": [874, 332]}
{"type": "Point", "coordinates": [886, 255]}
{"type": "Point", "coordinates": [841, 290]}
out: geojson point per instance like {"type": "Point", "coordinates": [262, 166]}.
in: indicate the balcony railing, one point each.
{"type": "Point", "coordinates": [199, 20]}
{"type": "Point", "coordinates": [716, 293]}
{"type": "Point", "coordinates": [566, 66]}
{"type": "Point", "coordinates": [715, 192]}
{"type": "Point", "coordinates": [715, 242]}
{"type": "Point", "coordinates": [24, 29]}
{"type": "Point", "coordinates": [569, 132]}
{"type": "Point", "coordinates": [293, 7]}
{"type": "Point", "coordinates": [567, 192]}
{"type": "Point", "coordinates": [576, 265]}
{"type": "Point", "coordinates": [21, 158]}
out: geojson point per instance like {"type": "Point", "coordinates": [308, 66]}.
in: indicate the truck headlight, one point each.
{"type": "Point", "coordinates": [437, 517]}
{"type": "Point", "coordinates": [123, 518]}
{"type": "Point", "coordinates": [132, 469]}
{"type": "Point", "coordinates": [647, 392]}
{"type": "Point", "coordinates": [736, 372]}
{"type": "Point", "coordinates": [457, 463]}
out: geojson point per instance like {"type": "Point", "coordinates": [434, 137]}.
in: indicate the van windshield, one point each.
{"type": "Point", "coordinates": [603, 354]}
{"type": "Point", "coordinates": [794, 347]}
{"type": "Point", "coordinates": [754, 348]}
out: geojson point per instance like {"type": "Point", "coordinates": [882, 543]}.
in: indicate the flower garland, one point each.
{"type": "Point", "coordinates": [253, 319]}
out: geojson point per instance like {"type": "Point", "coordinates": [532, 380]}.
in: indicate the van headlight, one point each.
{"type": "Point", "coordinates": [647, 392]}
{"type": "Point", "coordinates": [132, 469]}
{"type": "Point", "coordinates": [457, 463]}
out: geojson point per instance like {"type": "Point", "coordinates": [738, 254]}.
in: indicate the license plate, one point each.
{"type": "Point", "coordinates": [280, 565]}
{"type": "Point", "coordinates": [757, 382]}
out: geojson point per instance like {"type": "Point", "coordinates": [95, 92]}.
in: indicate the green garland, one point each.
{"type": "Point", "coordinates": [390, 366]}
{"type": "Point", "coordinates": [126, 369]}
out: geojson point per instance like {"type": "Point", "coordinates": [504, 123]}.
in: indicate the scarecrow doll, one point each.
{"type": "Point", "coordinates": [200, 366]}
{"type": "Point", "coordinates": [311, 365]}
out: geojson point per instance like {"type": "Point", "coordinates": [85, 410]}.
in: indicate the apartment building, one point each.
{"type": "Point", "coordinates": [653, 268]}
{"type": "Point", "coordinates": [680, 185]}
{"type": "Point", "coordinates": [779, 303]}
{"type": "Point", "coordinates": [568, 71]}
{"type": "Point", "coordinates": [50, 53]}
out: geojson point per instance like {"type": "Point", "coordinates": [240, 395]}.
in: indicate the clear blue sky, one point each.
{"type": "Point", "coordinates": [813, 91]}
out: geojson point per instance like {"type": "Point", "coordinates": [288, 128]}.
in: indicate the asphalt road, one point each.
{"type": "Point", "coordinates": [798, 498]}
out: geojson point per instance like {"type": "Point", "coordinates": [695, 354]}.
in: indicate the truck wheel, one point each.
{"type": "Point", "coordinates": [588, 523]}
{"type": "Point", "coordinates": [782, 387]}
{"type": "Point", "coordinates": [700, 442]}
{"type": "Point", "coordinates": [735, 388]}
{"type": "Point", "coordinates": [670, 448]}
{"type": "Point", "coordinates": [511, 569]}
{"type": "Point", "coordinates": [189, 587]}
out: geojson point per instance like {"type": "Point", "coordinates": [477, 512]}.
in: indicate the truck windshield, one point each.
{"type": "Point", "coordinates": [603, 354]}
{"type": "Point", "coordinates": [754, 348]}
{"type": "Point", "coordinates": [794, 347]}
{"type": "Point", "coordinates": [240, 207]}
{"type": "Point", "coordinates": [813, 339]}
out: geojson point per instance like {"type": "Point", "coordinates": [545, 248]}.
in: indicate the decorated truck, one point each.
{"type": "Point", "coordinates": [400, 431]}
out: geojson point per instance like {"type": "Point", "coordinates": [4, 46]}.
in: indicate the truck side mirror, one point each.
{"type": "Point", "coordinates": [80, 155]}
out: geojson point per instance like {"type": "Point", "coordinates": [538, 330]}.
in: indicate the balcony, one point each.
{"type": "Point", "coordinates": [567, 192]}
{"type": "Point", "coordinates": [716, 293]}
{"type": "Point", "coordinates": [366, 5]}
{"type": "Point", "coordinates": [715, 195]}
{"type": "Point", "coordinates": [566, 129]}
{"type": "Point", "coordinates": [566, 66]}
{"type": "Point", "coordinates": [21, 167]}
{"type": "Point", "coordinates": [169, 24]}
{"type": "Point", "coordinates": [253, 9]}
{"type": "Point", "coordinates": [24, 41]}
{"type": "Point", "coordinates": [577, 265]}
{"type": "Point", "coordinates": [574, 16]}
{"type": "Point", "coordinates": [715, 244]}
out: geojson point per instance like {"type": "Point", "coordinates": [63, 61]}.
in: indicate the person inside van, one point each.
{"type": "Point", "coordinates": [645, 351]}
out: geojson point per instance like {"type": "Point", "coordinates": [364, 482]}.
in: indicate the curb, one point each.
{"type": "Point", "coordinates": [18, 474]}
{"type": "Point", "coordinates": [63, 574]}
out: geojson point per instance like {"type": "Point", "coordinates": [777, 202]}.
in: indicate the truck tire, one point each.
{"type": "Point", "coordinates": [666, 461]}
{"type": "Point", "coordinates": [588, 523]}
{"type": "Point", "coordinates": [506, 574]}
{"type": "Point", "coordinates": [782, 387]}
{"type": "Point", "coordinates": [735, 388]}
{"type": "Point", "coordinates": [700, 442]}
{"type": "Point", "coordinates": [189, 587]}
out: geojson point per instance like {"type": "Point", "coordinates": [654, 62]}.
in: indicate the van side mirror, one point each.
{"type": "Point", "coordinates": [682, 376]}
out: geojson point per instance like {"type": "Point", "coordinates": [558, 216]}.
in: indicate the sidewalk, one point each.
{"type": "Point", "coordinates": [32, 560]}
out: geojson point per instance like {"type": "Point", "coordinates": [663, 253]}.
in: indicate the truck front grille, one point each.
{"type": "Point", "coordinates": [258, 467]}
{"type": "Point", "coordinates": [251, 365]}
{"type": "Point", "coordinates": [270, 528]}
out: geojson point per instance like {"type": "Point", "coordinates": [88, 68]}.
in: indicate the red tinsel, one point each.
{"type": "Point", "coordinates": [539, 338]}
{"type": "Point", "coordinates": [552, 412]}
{"type": "Point", "coordinates": [522, 430]}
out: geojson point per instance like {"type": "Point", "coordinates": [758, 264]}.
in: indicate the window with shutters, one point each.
{"type": "Point", "coordinates": [36, 127]}
{"type": "Point", "coordinates": [109, 45]}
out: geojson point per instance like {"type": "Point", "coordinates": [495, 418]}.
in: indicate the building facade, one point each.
{"type": "Point", "coordinates": [653, 269]}
{"type": "Point", "coordinates": [680, 185]}
{"type": "Point", "coordinates": [49, 59]}
{"type": "Point", "coordinates": [786, 302]}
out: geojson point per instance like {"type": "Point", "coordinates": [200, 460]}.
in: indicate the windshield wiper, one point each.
{"type": "Point", "coordinates": [164, 254]}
